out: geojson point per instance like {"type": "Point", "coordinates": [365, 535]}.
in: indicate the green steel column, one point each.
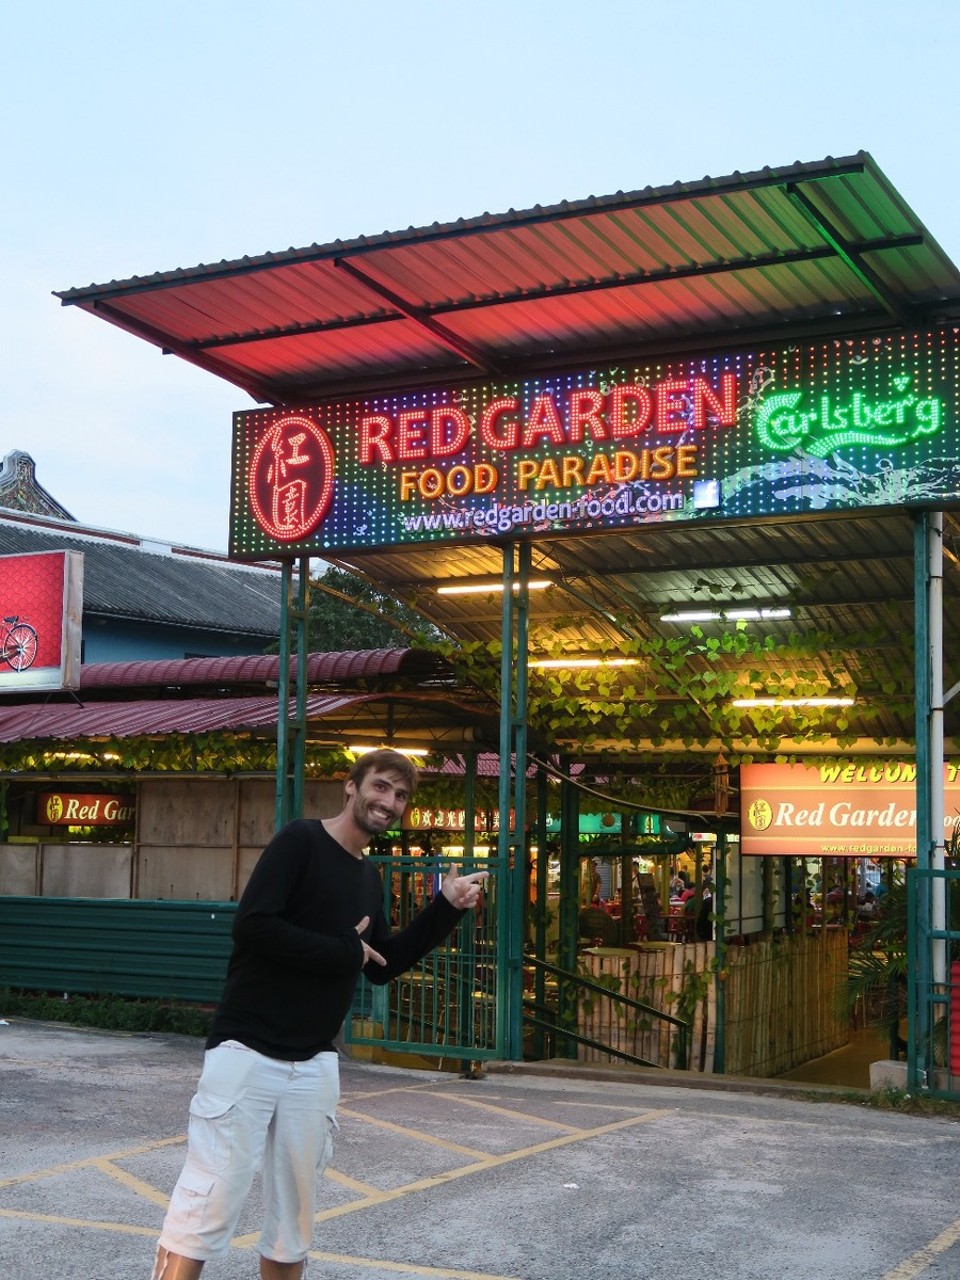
{"type": "Point", "coordinates": [918, 924]}
{"type": "Point", "coordinates": [540, 919]}
{"type": "Point", "coordinates": [303, 645]}
{"type": "Point", "coordinates": [787, 877]}
{"type": "Point", "coordinates": [518, 860]}
{"type": "Point", "coordinates": [720, 953]}
{"type": "Point", "coordinates": [569, 907]}
{"type": "Point", "coordinates": [766, 873]}
{"type": "Point", "coordinates": [469, 807]}
{"type": "Point", "coordinates": [467, 933]}
{"type": "Point", "coordinates": [292, 682]}
{"type": "Point", "coordinates": [543, 867]}
{"type": "Point", "coordinates": [282, 799]}
{"type": "Point", "coordinates": [504, 1010]}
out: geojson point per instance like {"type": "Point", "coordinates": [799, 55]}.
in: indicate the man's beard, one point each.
{"type": "Point", "coordinates": [366, 821]}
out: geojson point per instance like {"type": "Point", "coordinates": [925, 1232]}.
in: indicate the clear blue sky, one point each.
{"type": "Point", "coordinates": [152, 134]}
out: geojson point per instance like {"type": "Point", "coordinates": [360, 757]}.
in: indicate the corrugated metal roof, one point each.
{"type": "Point", "coordinates": [375, 694]}
{"type": "Point", "coordinates": [68, 721]}
{"type": "Point", "coordinates": [819, 250]}
{"type": "Point", "coordinates": [125, 578]}
{"type": "Point", "coordinates": [829, 245]}
{"type": "Point", "coordinates": [262, 669]}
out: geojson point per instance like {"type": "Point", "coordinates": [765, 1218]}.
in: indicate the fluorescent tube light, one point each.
{"type": "Point", "coordinates": [574, 663]}
{"type": "Point", "coordinates": [748, 613]}
{"type": "Point", "coordinates": [793, 702]}
{"type": "Point", "coordinates": [482, 588]}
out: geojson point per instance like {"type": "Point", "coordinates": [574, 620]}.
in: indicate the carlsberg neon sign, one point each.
{"type": "Point", "coordinates": [782, 424]}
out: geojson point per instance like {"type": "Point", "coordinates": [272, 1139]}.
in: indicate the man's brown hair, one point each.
{"type": "Point", "coordinates": [384, 760]}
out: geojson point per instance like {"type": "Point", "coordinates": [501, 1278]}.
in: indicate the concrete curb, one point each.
{"type": "Point", "coordinates": [559, 1068]}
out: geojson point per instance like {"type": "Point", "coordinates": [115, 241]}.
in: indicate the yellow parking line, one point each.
{"type": "Point", "coordinates": [344, 1180]}
{"type": "Point", "coordinates": [594, 1106]}
{"type": "Point", "coordinates": [371, 1197]}
{"type": "Point", "coordinates": [131, 1182]}
{"type": "Point", "coordinates": [393, 1088]}
{"type": "Point", "coordinates": [412, 1133]}
{"type": "Point", "coordinates": [36, 1174]}
{"type": "Point", "coordinates": [121, 1228]}
{"type": "Point", "coordinates": [927, 1256]}
{"type": "Point", "coordinates": [517, 1115]}
{"type": "Point", "coordinates": [482, 1165]}
{"type": "Point", "coordinates": [486, 1163]}
{"type": "Point", "coordinates": [407, 1268]}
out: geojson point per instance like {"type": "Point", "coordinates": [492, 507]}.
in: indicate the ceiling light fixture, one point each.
{"type": "Point", "coordinates": [482, 588]}
{"type": "Point", "coordinates": [757, 615]}
{"type": "Point", "coordinates": [794, 702]}
{"type": "Point", "coordinates": [573, 663]}
{"type": "Point", "coordinates": [746, 614]}
{"type": "Point", "coordinates": [361, 750]}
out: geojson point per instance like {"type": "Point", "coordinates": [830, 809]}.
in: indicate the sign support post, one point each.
{"type": "Point", "coordinates": [292, 683]}
{"type": "Point", "coordinates": [919, 923]}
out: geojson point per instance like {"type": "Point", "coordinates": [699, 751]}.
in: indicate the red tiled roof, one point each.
{"type": "Point", "coordinates": [43, 721]}
{"type": "Point", "coordinates": [322, 668]}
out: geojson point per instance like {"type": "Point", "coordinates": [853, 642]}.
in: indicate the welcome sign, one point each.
{"type": "Point", "coordinates": [868, 422]}
{"type": "Point", "coordinates": [841, 809]}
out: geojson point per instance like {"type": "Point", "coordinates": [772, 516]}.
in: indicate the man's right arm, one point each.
{"type": "Point", "coordinates": [261, 925]}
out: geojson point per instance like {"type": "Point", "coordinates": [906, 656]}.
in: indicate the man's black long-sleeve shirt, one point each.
{"type": "Point", "coordinates": [297, 955]}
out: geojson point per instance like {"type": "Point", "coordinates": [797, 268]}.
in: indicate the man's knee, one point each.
{"type": "Point", "coordinates": [270, 1270]}
{"type": "Point", "coordinates": [173, 1266]}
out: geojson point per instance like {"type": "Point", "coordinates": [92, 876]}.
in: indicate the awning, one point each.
{"type": "Point", "coordinates": [820, 247]}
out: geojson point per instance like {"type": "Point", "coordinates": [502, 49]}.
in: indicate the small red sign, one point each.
{"type": "Point", "coordinates": [41, 602]}
{"type": "Point", "coordinates": [73, 809]}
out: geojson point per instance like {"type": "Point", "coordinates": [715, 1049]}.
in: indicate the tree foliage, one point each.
{"type": "Point", "coordinates": [347, 613]}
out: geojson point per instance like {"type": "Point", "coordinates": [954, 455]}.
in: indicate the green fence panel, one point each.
{"type": "Point", "coordinates": [447, 1004]}
{"type": "Point", "coordinates": [168, 950]}
{"type": "Point", "coordinates": [933, 998]}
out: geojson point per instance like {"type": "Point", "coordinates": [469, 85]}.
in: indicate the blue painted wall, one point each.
{"type": "Point", "coordinates": [115, 640]}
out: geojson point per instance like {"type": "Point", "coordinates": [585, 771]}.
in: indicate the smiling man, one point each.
{"type": "Point", "coordinates": [308, 923]}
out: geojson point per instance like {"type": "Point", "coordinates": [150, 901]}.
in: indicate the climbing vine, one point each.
{"type": "Point", "coordinates": [681, 689]}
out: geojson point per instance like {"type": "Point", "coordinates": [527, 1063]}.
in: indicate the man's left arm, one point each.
{"type": "Point", "coordinates": [458, 894]}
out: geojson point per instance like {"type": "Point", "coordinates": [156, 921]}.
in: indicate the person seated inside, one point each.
{"type": "Point", "coordinates": [597, 927]}
{"type": "Point", "coordinates": [703, 925]}
{"type": "Point", "coordinates": [867, 906]}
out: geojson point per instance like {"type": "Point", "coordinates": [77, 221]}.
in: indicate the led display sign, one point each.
{"type": "Point", "coordinates": [778, 431]}
{"type": "Point", "coordinates": [844, 809]}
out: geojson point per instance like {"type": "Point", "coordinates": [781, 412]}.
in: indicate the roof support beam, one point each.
{"type": "Point", "coordinates": [848, 253]}
{"type": "Point", "coordinates": [443, 335]}
{"type": "Point", "coordinates": [623, 281]}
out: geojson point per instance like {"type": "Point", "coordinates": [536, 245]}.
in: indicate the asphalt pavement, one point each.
{"type": "Point", "coordinates": [513, 1176]}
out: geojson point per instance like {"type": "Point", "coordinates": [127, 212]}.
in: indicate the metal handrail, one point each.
{"type": "Point", "coordinates": [683, 1027]}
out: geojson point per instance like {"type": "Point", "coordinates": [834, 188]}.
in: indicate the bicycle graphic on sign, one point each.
{"type": "Point", "coordinates": [19, 643]}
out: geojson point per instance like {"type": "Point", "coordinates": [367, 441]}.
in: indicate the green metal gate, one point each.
{"type": "Point", "coordinates": [450, 1005]}
{"type": "Point", "coordinates": [933, 981]}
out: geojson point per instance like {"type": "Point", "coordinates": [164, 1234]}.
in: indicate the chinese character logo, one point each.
{"type": "Point", "coordinates": [291, 479]}
{"type": "Point", "coordinates": [760, 815]}
{"type": "Point", "coordinates": [54, 809]}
